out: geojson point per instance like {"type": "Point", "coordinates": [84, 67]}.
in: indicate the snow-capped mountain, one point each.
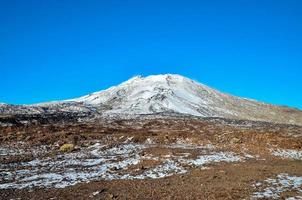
{"type": "Point", "coordinates": [155, 94]}
{"type": "Point", "coordinates": [165, 94]}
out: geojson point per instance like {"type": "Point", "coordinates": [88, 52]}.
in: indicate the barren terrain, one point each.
{"type": "Point", "coordinates": [150, 158]}
{"type": "Point", "coordinates": [168, 157]}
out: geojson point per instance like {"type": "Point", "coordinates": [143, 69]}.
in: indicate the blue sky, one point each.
{"type": "Point", "coordinates": [51, 50]}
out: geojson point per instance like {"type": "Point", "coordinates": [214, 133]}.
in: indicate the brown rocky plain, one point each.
{"type": "Point", "coordinates": [254, 142]}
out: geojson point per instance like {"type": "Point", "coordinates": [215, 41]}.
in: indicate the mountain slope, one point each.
{"type": "Point", "coordinates": [166, 94]}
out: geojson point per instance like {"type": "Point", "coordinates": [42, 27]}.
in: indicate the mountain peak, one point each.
{"type": "Point", "coordinates": [156, 78]}
{"type": "Point", "coordinates": [165, 93]}
{"type": "Point", "coordinates": [147, 90]}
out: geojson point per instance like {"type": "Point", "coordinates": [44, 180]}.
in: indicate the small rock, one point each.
{"type": "Point", "coordinates": [143, 167]}
{"type": "Point", "coordinates": [116, 168]}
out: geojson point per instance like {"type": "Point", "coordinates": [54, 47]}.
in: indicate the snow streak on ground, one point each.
{"type": "Point", "coordinates": [288, 153]}
{"type": "Point", "coordinates": [217, 157]}
{"type": "Point", "coordinates": [273, 187]}
{"type": "Point", "coordinates": [101, 162]}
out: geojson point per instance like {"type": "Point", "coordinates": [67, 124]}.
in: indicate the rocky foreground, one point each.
{"type": "Point", "coordinates": [163, 157]}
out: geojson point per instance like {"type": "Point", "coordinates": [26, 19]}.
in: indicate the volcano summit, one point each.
{"type": "Point", "coordinates": [163, 94]}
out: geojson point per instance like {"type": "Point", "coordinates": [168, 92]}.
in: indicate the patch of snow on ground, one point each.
{"type": "Point", "coordinates": [217, 157]}
{"type": "Point", "coordinates": [288, 153]}
{"type": "Point", "coordinates": [5, 151]}
{"type": "Point", "coordinates": [168, 168]}
{"type": "Point", "coordinates": [101, 162]}
{"type": "Point", "coordinates": [294, 198]}
{"type": "Point", "coordinates": [275, 186]}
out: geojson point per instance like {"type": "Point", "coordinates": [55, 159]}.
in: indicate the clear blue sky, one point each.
{"type": "Point", "coordinates": [58, 49]}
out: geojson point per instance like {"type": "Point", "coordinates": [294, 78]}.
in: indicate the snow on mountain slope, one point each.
{"type": "Point", "coordinates": [166, 94]}
{"type": "Point", "coordinates": [153, 94]}
{"type": "Point", "coordinates": [175, 93]}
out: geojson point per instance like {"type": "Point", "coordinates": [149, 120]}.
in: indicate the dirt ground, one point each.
{"type": "Point", "coordinates": [253, 141]}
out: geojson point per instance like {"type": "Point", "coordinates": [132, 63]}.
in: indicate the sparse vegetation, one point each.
{"type": "Point", "coordinates": [67, 148]}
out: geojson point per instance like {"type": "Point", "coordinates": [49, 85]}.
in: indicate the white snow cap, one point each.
{"type": "Point", "coordinates": [156, 93]}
